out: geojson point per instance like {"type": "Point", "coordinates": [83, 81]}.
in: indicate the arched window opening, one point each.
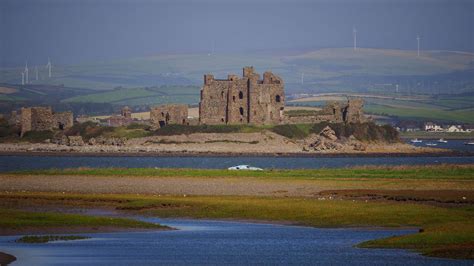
{"type": "Point", "coordinates": [277, 98]}
{"type": "Point", "coordinates": [233, 99]}
{"type": "Point", "coordinates": [241, 95]}
{"type": "Point", "coordinates": [241, 111]}
{"type": "Point", "coordinates": [222, 94]}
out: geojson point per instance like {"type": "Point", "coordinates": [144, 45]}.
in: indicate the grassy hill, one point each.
{"type": "Point", "coordinates": [176, 79]}
{"type": "Point", "coordinates": [324, 70]}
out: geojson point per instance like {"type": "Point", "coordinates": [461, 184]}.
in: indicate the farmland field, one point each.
{"type": "Point", "coordinates": [327, 69]}
{"type": "Point", "coordinates": [457, 108]}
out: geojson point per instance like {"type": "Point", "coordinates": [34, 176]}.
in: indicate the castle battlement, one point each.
{"type": "Point", "coordinates": [242, 100]}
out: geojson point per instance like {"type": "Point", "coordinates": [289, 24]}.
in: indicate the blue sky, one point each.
{"type": "Point", "coordinates": [72, 32]}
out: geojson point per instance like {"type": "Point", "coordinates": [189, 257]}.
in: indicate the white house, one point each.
{"type": "Point", "coordinates": [430, 126]}
{"type": "Point", "coordinates": [455, 128]}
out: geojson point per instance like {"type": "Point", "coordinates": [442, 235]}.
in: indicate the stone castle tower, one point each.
{"type": "Point", "coordinates": [245, 100]}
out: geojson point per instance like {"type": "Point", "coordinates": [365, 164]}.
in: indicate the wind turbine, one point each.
{"type": "Point", "coordinates": [26, 73]}
{"type": "Point", "coordinates": [22, 78]}
{"type": "Point", "coordinates": [213, 48]}
{"type": "Point", "coordinates": [418, 45]}
{"type": "Point", "coordinates": [49, 65]}
{"type": "Point", "coordinates": [354, 35]}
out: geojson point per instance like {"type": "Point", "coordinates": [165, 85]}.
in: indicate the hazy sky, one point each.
{"type": "Point", "coordinates": [72, 31]}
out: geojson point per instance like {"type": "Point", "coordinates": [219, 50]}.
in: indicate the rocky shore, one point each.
{"type": "Point", "coordinates": [264, 143]}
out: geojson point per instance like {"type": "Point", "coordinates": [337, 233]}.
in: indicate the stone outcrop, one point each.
{"type": "Point", "coordinates": [323, 144]}
{"type": "Point", "coordinates": [328, 133]}
{"type": "Point", "coordinates": [356, 144]}
{"type": "Point", "coordinates": [75, 141]}
{"type": "Point", "coordinates": [327, 140]}
{"type": "Point", "coordinates": [242, 100]}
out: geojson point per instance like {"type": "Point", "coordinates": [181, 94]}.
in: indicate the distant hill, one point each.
{"type": "Point", "coordinates": [325, 70]}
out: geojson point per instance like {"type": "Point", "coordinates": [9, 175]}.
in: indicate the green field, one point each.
{"type": "Point", "coordinates": [142, 96]}
{"type": "Point", "coordinates": [447, 108]}
{"type": "Point", "coordinates": [16, 219]}
{"type": "Point", "coordinates": [455, 172]}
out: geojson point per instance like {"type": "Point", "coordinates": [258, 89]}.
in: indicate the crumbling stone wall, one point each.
{"type": "Point", "coordinates": [25, 120]}
{"type": "Point", "coordinates": [246, 100]}
{"type": "Point", "coordinates": [334, 112]}
{"type": "Point", "coordinates": [36, 119]}
{"type": "Point", "coordinates": [354, 111]}
{"type": "Point", "coordinates": [163, 115]}
{"type": "Point", "coordinates": [63, 120]}
{"type": "Point", "coordinates": [43, 118]}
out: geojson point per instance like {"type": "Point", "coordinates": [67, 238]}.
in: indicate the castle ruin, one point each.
{"type": "Point", "coordinates": [163, 115]}
{"type": "Point", "coordinates": [124, 119]}
{"type": "Point", "coordinates": [43, 119]}
{"type": "Point", "coordinates": [245, 100]}
{"type": "Point", "coordinates": [333, 112]}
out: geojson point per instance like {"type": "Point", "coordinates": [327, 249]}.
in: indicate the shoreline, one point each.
{"type": "Point", "coordinates": [6, 258]}
{"type": "Point", "coordinates": [238, 154]}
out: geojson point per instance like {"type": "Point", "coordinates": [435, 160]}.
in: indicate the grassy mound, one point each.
{"type": "Point", "coordinates": [46, 239]}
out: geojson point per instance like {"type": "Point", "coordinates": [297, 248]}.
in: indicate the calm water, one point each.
{"type": "Point", "coordinates": [12, 163]}
{"type": "Point", "coordinates": [221, 243]}
{"type": "Point", "coordinates": [457, 145]}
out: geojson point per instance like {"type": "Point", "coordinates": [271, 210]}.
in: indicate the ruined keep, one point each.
{"type": "Point", "coordinates": [163, 115]}
{"type": "Point", "coordinates": [43, 119]}
{"type": "Point", "coordinates": [245, 100]}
